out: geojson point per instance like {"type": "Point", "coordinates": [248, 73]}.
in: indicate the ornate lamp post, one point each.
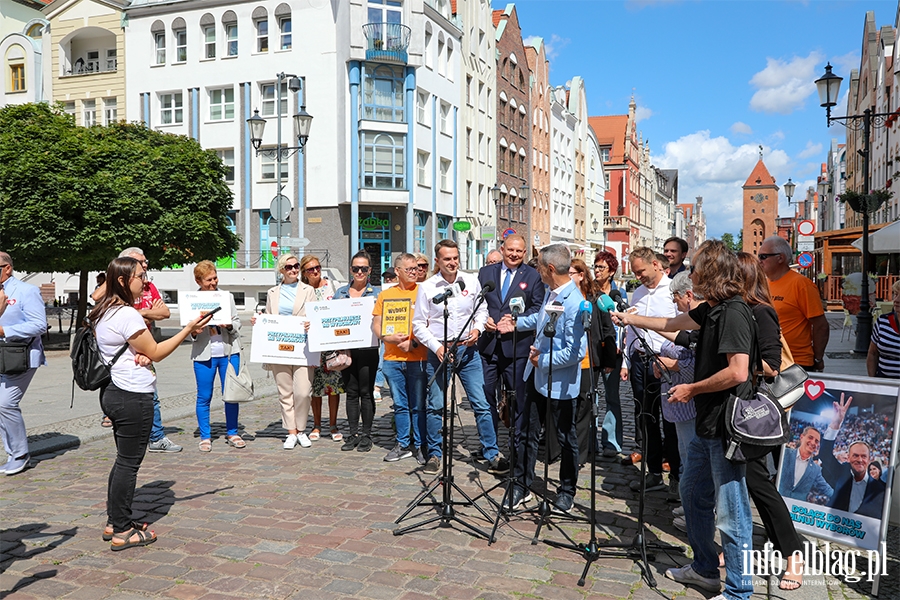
{"type": "Point", "coordinates": [829, 86]}
{"type": "Point", "coordinates": [280, 153]}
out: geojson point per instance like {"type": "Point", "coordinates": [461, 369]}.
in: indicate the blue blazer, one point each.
{"type": "Point", "coordinates": [812, 478]}
{"type": "Point", "coordinates": [25, 318]}
{"type": "Point", "coordinates": [569, 345]}
{"type": "Point", "coordinates": [526, 284]}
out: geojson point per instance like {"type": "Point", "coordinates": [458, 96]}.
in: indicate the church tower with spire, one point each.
{"type": "Point", "coordinates": [760, 207]}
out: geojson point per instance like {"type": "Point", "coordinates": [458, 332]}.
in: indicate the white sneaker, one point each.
{"type": "Point", "coordinates": [303, 440]}
{"type": "Point", "coordinates": [291, 441]}
{"type": "Point", "coordinates": [680, 523]}
{"type": "Point", "coordinates": [688, 576]}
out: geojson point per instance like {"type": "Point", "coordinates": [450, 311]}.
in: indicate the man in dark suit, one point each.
{"type": "Point", "coordinates": [512, 279]}
{"type": "Point", "coordinates": [854, 490]}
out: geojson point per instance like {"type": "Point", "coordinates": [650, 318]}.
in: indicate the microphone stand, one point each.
{"type": "Point", "coordinates": [447, 514]}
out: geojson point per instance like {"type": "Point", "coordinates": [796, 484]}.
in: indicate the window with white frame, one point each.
{"type": "Point", "coordinates": [445, 175]}
{"type": "Point", "coordinates": [267, 96]}
{"type": "Point", "coordinates": [231, 39]}
{"type": "Point", "coordinates": [383, 96]}
{"type": "Point", "coordinates": [445, 118]}
{"type": "Point", "coordinates": [284, 25]}
{"type": "Point", "coordinates": [112, 62]}
{"type": "Point", "coordinates": [441, 58]}
{"type": "Point", "coordinates": [488, 152]}
{"type": "Point", "coordinates": [209, 41]}
{"type": "Point", "coordinates": [110, 111]}
{"type": "Point", "coordinates": [469, 90]}
{"type": "Point", "coordinates": [88, 112]}
{"type": "Point", "coordinates": [171, 108]}
{"type": "Point", "coordinates": [159, 42]}
{"type": "Point", "coordinates": [384, 160]}
{"type": "Point", "coordinates": [69, 108]}
{"type": "Point", "coordinates": [268, 164]}
{"type": "Point", "coordinates": [226, 155]}
{"type": "Point", "coordinates": [221, 104]}
{"type": "Point", "coordinates": [481, 151]}
{"type": "Point", "coordinates": [481, 198]}
{"type": "Point", "coordinates": [604, 154]}
{"type": "Point", "coordinates": [92, 64]}
{"type": "Point", "coordinates": [468, 142]}
{"type": "Point", "coordinates": [422, 167]}
{"type": "Point", "coordinates": [422, 107]}
{"type": "Point", "coordinates": [469, 196]}
{"type": "Point", "coordinates": [262, 35]}
{"type": "Point", "coordinates": [180, 45]}
{"type": "Point", "coordinates": [428, 51]}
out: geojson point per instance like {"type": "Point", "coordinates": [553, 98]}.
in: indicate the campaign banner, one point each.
{"type": "Point", "coordinates": [835, 472]}
{"type": "Point", "coordinates": [281, 340]}
{"type": "Point", "coordinates": [192, 304]}
{"type": "Point", "coordinates": [341, 324]}
{"type": "Point", "coordinates": [396, 317]}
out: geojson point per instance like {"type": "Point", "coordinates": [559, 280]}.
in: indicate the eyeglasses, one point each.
{"type": "Point", "coordinates": [359, 269]}
{"type": "Point", "coordinates": [692, 270]}
{"type": "Point", "coordinates": [142, 276]}
{"type": "Point", "coordinates": [410, 270]}
{"type": "Point", "coordinates": [601, 267]}
{"type": "Point", "coordinates": [293, 267]}
{"type": "Point", "coordinates": [765, 256]}
{"type": "Point", "coordinates": [422, 266]}
{"type": "Point", "coordinates": [314, 269]}
{"type": "Point", "coordinates": [573, 273]}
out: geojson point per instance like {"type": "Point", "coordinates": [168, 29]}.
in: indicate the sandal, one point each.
{"type": "Point", "coordinates": [144, 539]}
{"type": "Point", "coordinates": [235, 441]}
{"type": "Point", "coordinates": [106, 422]}
{"type": "Point", "coordinates": [205, 445]}
{"type": "Point", "coordinates": [108, 530]}
{"type": "Point", "coordinates": [336, 436]}
{"type": "Point", "coordinates": [789, 585]}
{"type": "Point", "coordinates": [314, 435]}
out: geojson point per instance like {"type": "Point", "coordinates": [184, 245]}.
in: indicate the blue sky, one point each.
{"type": "Point", "coordinates": [713, 80]}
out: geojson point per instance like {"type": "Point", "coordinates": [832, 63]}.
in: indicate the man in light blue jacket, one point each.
{"type": "Point", "coordinates": [552, 374]}
{"type": "Point", "coordinates": [22, 319]}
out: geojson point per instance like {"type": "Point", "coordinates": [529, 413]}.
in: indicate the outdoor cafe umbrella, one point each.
{"type": "Point", "coordinates": [884, 241]}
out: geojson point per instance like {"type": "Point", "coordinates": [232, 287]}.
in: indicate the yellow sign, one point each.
{"type": "Point", "coordinates": [396, 317]}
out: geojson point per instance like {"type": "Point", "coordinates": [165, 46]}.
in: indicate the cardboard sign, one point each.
{"type": "Point", "coordinates": [192, 304]}
{"type": "Point", "coordinates": [281, 340]}
{"type": "Point", "coordinates": [396, 317]}
{"type": "Point", "coordinates": [341, 324]}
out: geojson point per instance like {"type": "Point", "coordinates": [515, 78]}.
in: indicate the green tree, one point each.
{"type": "Point", "coordinates": [728, 240]}
{"type": "Point", "coordinates": [71, 198]}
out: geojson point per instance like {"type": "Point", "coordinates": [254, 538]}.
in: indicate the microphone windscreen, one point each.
{"type": "Point", "coordinates": [605, 303]}
{"type": "Point", "coordinates": [586, 307]}
{"type": "Point", "coordinates": [616, 296]}
{"type": "Point", "coordinates": [487, 287]}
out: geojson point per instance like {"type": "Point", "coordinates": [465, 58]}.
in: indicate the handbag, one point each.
{"type": "Point", "coordinates": [337, 360]}
{"type": "Point", "coordinates": [14, 357]}
{"type": "Point", "coordinates": [787, 387]}
{"type": "Point", "coordinates": [238, 386]}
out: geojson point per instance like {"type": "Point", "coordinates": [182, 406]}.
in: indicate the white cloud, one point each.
{"type": "Point", "coordinates": [714, 168]}
{"type": "Point", "coordinates": [739, 127]}
{"type": "Point", "coordinates": [810, 150]}
{"type": "Point", "coordinates": [554, 46]}
{"type": "Point", "coordinates": [642, 113]}
{"type": "Point", "coordinates": [782, 87]}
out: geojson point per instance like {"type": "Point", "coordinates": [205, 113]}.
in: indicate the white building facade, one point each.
{"type": "Point", "coordinates": [562, 168]}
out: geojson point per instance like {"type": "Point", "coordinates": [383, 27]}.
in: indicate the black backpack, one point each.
{"type": "Point", "coordinates": [89, 371]}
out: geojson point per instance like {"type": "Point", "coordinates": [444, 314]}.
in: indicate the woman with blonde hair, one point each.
{"type": "Point", "coordinates": [325, 382]}
{"type": "Point", "coordinates": [212, 349]}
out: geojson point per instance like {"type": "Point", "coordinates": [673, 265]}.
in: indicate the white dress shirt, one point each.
{"type": "Point", "coordinates": [428, 319]}
{"type": "Point", "coordinates": [800, 468]}
{"type": "Point", "coordinates": [649, 303]}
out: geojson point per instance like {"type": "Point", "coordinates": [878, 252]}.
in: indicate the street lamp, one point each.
{"type": "Point", "coordinates": [302, 121]}
{"type": "Point", "coordinates": [829, 87]}
{"type": "Point", "coordinates": [789, 188]}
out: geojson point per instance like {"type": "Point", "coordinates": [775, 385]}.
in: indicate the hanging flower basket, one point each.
{"type": "Point", "coordinates": [865, 202]}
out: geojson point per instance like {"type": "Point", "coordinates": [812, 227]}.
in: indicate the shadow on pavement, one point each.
{"type": "Point", "coordinates": [13, 547]}
{"type": "Point", "coordinates": [155, 499]}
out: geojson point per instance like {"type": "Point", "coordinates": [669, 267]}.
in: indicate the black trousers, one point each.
{"type": "Point", "coordinates": [772, 509]}
{"type": "Point", "coordinates": [648, 414]}
{"type": "Point", "coordinates": [359, 385]}
{"type": "Point", "coordinates": [131, 414]}
{"type": "Point", "coordinates": [498, 367]}
{"type": "Point", "coordinates": [584, 413]}
{"type": "Point", "coordinates": [562, 414]}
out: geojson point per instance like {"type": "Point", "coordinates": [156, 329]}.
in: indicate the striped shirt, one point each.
{"type": "Point", "coordinates": [887, 340]}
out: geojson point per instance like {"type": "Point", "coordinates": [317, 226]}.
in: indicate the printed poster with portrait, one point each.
{"type": "Point", "coordinates": [835, 472]}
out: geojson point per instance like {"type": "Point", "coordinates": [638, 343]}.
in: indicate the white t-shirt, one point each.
{"type": "Point", "coordinates": [114, 330]}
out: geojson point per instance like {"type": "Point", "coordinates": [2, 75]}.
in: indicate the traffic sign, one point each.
{"type": "Point", "coordinates": [806, 245]}
{"type": "Point", "coordinates": [275, 249]}
{"type": "Point", "coordinates": [806, 227]}
{"type": "Point", "coordinates": [280, 207]}
{"type": "Point", "coordinates": [300, 242]}
{"type": "Point", "coordinates": [508, 232]}
{"type": "Point", "coordinates": [805, 260]}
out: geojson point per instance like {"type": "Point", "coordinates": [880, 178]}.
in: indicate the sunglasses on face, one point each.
{"type": "Point", "coordinates": [360, 269]}
{"type": "Point", "coordinates": [293, 267]}
{"type": "Point", "coordinates": [600, 267]}
{"type": "Point", "coordinates": [765, 256]}
{"type": "Point", "coordinates": [422, 266]}
{"type": "Point", "coordinates": [314, 269]}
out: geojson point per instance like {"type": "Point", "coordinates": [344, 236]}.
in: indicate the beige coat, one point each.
{"type": "Point", "coordinates": [305, 293]}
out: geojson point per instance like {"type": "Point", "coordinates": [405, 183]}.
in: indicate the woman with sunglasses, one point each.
{"type": "Point", "coordinates": [359, 377]}
{"type": "Point", "coordinates": [125, 342]}
{"type": "Point", "coordinates": [325, 382]}
{"type": "Point", "coordinates": [422, 265]}
{"type": "Point", "coordinates": [294, 382]}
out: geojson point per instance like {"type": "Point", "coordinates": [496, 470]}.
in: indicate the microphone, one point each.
{"type": "Point", "coordinates": [488, 287]}
{"type": "Point", "coordinates": [554, 310]}
{"type": "Point", "coordinates": [586, 310]}
{"type": "Point", "coordinates": [452, 291]}
{"type": "Point", "coordinates": [621, 303]}
{"type": "Point", "coordinates": [516, 306]}
{"type": "Point", "coordinates": [605, 303]}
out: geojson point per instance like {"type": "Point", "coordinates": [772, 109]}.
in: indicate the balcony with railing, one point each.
{"type": "Point", "coordinates": [387, 42]}
{"type": "Point", "coordinates": [616, 224]}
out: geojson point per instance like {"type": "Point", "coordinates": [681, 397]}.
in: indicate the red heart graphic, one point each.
{"type": "Point", "coordinates": [523, 285]}
{"type": "Point", "coordinates": [11, 301]}
{"type": "Point", "coordinates": [814, 389]}
{"type": "Point", "coordinates": [465, 292]}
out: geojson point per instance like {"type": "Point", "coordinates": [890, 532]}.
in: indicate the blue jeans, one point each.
{"type": "Point", "coordinates": [407, 381]}
{"type": "Point", "coordinates": [468, 367]}
{"type": "Point", "coordinates": [687, 431]}
{"type": "Point", "coordinates": [611, 436]}
{"type": "Point", "coordinates": [379, 374]}
{"type": "Point", "coordinates": [156, 432]}
{"type": "Point", "coordinates": [205, 372]}
{"type": "Point", "coordinates": [714, 482]}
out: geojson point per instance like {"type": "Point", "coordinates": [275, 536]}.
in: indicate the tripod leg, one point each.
{"type": "Point", "coordinates": [418, 501]}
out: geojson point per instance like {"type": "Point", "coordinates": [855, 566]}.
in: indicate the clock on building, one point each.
{"type": "Point", "coordinates": [758, 198]}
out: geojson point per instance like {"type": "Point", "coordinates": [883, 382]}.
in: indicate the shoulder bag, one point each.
{"type": "Point", "coordinates": [238, 386]}
{"type": "Point", "coordinates": [14, 357]}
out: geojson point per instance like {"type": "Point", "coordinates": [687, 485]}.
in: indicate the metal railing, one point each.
{"type": "Point", "coordinates": [387, 41]}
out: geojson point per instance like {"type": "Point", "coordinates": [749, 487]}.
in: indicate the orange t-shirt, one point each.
{"type": "Point", "coordinates": [392, 351]}
{"type": "Point", "coordinates": [796, 300]}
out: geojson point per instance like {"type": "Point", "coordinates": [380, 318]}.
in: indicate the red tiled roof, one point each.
{"type": "Point", "coordinates": [496, 16]}
{"type": "Point", "coordinates": [453, 7]}
{"type": "Point", "coordinates": [688, 210]}
{"type": "Point", "coordinates": [610, 131]}
{"type": "Point", "coordinates": [760, 173]}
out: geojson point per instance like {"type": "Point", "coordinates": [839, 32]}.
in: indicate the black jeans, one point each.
{"type": "Point", "coordinates": [562, 414]}
{"type": "Point", "coordinates": [771, 507]}
{"type": "Point", "coordinates": [131, 414]}
{"type": "Point", "coordinates": [650, 415]}
{"type": "Point", "coordinates": [359, 385]}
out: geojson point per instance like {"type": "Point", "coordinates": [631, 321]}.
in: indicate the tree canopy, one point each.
{"type": "Point", "coordinates": [728, 240]}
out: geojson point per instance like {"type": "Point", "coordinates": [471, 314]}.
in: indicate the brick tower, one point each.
{"type": "Point", "coordinates": [760, 207]}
